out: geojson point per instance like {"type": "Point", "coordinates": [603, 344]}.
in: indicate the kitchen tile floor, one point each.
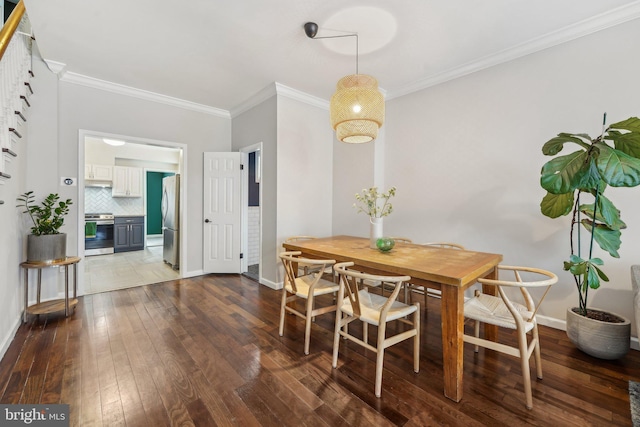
{"type": "Point", "coordinates": [126, 269]}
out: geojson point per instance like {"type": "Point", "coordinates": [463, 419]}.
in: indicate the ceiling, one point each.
{"type": "Point", "coordinates": [220, 54]}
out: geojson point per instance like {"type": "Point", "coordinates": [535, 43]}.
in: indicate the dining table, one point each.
{"type": "Point", "coordinates": [449, 270]}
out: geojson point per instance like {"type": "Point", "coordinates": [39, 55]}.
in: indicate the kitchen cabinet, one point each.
{"type": "Point", "coordinates": [127, 182]}
{"type": "Point", "coordinates": [128, 233]}
{"type": "Point", "coordinates": [98, 172]}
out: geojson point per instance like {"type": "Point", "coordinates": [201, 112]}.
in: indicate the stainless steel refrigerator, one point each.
{"type": "Point", "coordinates": [171, 220]}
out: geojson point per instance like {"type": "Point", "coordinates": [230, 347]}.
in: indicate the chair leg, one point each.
{"type": "Point", "coordinates": [365, 332]}
{"type": "Point", "coordinates": [336, 338]}
{"type": "Point", "coordinates": [307, 325]}
{"type": "Point", "coordinates": [526, 374]}
{"type": "Point", "coordinates": [380, 358]}
{"type": "Point", "coordinates": [282, 311]}
{"type": "Point", "coordinates": [476, 327]}
{"type": "Point", "coordinates": [536, 352]}
{"type": "Point", "coordinates": [416, 340]}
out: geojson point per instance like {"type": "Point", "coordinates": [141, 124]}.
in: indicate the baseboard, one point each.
{"type": "Point", "coordinates": [192, 274]}
{"type": "Point", "coordinates": [8, 339]}
{"type": "Point", "coordinates": [270, 284]}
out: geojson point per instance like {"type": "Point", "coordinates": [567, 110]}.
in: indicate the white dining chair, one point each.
{"type": "Point", "coordinates": [355, 303]}
{"type": "Point", "coordinates": [306, 287]}
{"type": "Point", "coordinates": [505, 312]}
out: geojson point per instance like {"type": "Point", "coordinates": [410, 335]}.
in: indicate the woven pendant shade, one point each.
{"type": "Point", "coordinates": [357, 109]}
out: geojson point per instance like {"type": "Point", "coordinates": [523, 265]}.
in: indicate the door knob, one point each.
{"type": "Point", "coordinates": [207, 220]}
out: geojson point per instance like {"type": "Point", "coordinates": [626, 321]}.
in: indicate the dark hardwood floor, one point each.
{"type": "Point", "coordinates": [205, 351]}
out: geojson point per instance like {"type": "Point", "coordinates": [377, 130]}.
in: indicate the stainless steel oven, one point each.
{"type": "Point", "coordinates": [98, 239]}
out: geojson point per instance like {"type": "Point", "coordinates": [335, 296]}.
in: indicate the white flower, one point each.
{"type": "Point", "coordinates": [375, 204]}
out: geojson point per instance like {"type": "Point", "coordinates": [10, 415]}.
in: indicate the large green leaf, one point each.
{"type": "Point", "coordinates": [617, 168]}
{"type": "Point", "coordinates": [588, 177]}
{"type": "Point", "coordinates": [554, 145]}
{"type": "Point", "coordinates": [631, 124]}
{"type": "Point", "coordinates": [607, 239]}
{"type": "Point", "coordinates": [606, 213]}
{"type": "Point", "coordinates": [556, 205]}
{"type": "Point", "coordinates": [559, 175]}
{"type": "Point", "coordinates": [628, 143]}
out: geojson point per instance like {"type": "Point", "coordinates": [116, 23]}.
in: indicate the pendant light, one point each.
{"type": "Point", "coordinates": [357, 106]}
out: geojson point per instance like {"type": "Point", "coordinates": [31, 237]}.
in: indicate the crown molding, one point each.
{"type": "Point", "coordinates": [278, 89]}
{"type": "Point", "coordinates": [94, 83]}
{"type": "Point", "coordinates": [56, 67]}
{"type": "Point", "coordinates": [583, 28]}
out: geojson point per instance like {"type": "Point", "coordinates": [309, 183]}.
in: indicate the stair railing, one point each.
{"type": "Point", "coordinates": [15, 89]}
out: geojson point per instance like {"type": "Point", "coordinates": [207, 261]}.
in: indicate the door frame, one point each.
{"type": "Point", "coordinates": [82, 135]}
{"type": "Point", "coordinates": [245, 207]}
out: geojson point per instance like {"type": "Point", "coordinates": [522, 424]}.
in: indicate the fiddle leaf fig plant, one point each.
{"type": "Point", "coordinates": [610, 159]}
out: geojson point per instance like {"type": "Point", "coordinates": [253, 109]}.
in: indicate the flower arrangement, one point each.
{"type": "Point", "coordinates": [47, 218]}
{"type": "Point", "coordinates": [373, 203]}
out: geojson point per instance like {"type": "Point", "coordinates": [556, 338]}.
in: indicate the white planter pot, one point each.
{"type": "Point", "coordinates": [47, 247]}
{"type": "Point", "coordinates": [604, 340]}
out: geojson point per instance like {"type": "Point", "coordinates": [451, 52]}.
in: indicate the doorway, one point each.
{"type": "Point", "coordinates": [150, 159]}
{"type": "Point", "coordinates": [252, 200]}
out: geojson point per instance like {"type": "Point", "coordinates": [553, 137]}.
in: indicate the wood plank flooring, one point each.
{"type": "Point", "coordinates": [205, 351]}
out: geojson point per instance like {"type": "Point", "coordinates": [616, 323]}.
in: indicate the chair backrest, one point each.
{"type": "Point", "coordinates": [299, 238]}
{"type": "Point", "coordinates": [547, 281]}
{"type": "Point", "coordinates": [291, 258]}
{"type": "Point", "coordinates": [402, 240]}
{"type": "Point", "coordinates": [351, 279]}
{"type": "Point", "coordinates": [445, 245]}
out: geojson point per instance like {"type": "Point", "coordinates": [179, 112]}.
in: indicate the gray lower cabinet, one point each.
{"type": "Point", "coordinates": [128, 233]}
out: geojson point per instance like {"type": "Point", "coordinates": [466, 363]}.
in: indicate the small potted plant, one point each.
{"type": "Point", "coordinates": [45, 243]}
{"type": "Point", "coordinates": [377, 206]}
{"type": "Point", "coordinates": [575, 185]}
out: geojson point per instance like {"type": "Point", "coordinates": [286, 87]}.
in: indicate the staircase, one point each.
{"type": "Point", "coordinates": [15, 87]}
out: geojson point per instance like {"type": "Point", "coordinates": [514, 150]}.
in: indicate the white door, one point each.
{"type": "Point", "coordinates": [222, 212]}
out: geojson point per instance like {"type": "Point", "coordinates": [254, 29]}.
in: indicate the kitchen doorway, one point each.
{"type": "Point", "coordinates": [133, 202]}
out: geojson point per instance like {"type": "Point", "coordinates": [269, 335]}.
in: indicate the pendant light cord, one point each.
{"type": "Point", "coordinates": [344, 35]}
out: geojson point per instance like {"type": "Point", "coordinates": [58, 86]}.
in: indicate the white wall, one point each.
{"type": "Point", "coordinates": [101, 111]}
{"type": "Point", "coordinates": [296, 172]}
{"type": "Point", "coordinates": [466, 158]}
{"type": "Point", "coordinates": [305, 171]}
{"type": "Point", "coordinates": [255, 125]}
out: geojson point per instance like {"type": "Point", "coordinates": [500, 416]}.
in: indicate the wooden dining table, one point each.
{"type": "Point", "coordinates": [449, 270]}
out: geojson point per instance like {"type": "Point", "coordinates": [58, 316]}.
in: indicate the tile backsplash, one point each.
{"type": "Point", "coordinates": [99, 200]}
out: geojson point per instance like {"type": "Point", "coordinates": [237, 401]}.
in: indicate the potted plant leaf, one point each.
{"type": "Point", "coordinates": [575, 185]}
{"type": "Point", "coordinates": [45, 243]}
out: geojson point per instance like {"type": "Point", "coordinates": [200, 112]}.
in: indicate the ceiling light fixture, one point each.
{"type": "Point", "coordinates": [114, 142]}
{"type": "Point", "coordinates": [357, 106]}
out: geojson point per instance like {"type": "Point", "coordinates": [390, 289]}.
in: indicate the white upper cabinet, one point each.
{"type": "Point", "coordinates": [127, 182]}
{"type": "Point", "coordinates": [98, 172]}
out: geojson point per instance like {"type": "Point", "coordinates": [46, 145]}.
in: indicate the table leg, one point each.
{"type": "Point", "coordinates": [39, 286]}
{"type": "Point", "coordinates": [452, 340]}
{"type": "Point", "coordinates": [75, 280]}
{"type": "Point", "coordinates": [26, 294]}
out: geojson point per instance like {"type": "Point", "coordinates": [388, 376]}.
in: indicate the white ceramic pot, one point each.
{"type": "Point", "coordinates": [375, 231]}
{"type": "Point", "coordinates": [604, 340]}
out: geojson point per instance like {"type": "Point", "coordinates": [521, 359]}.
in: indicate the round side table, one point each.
{"type": "Point", "coordinates": [54, 305]}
